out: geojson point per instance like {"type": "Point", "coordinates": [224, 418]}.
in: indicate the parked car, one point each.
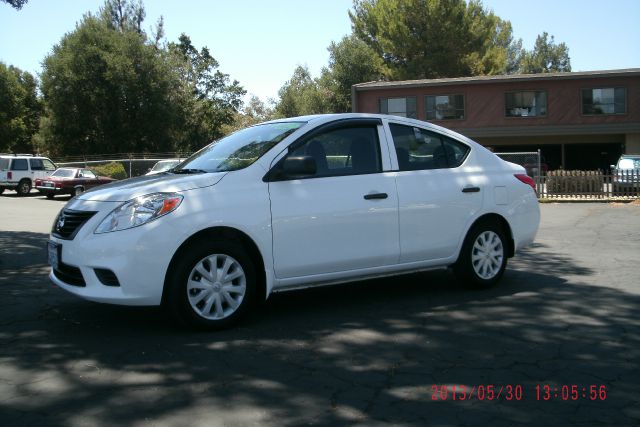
{"type": "Point", "coordinates": [163, 165]}
{"type": "Point", "coordinates": [298, 202]}
{"type": "Point", "coordinates": [73, 181]}
{"type": "Point", "coordinates": [19, 171]}
{"type": "Point", "coordinates": [626, 174]}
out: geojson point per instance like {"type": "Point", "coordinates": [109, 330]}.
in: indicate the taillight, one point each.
{"type": "Point", "coordinates": [527, 180]}
{"type": "Point", "coordinates": [9, 175]}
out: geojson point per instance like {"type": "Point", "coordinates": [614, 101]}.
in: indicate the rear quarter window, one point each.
{"type": "Point", "coordinates": [4, 164]}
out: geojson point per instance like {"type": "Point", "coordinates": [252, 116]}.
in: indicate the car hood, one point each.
{"type": "Point", "coordinates": [121, 191]}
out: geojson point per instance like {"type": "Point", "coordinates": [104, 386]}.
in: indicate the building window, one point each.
{"type": "Point", "coordinates": [444, 107]}
{"type": "Point", "coordinates": [604, 101]}
{"type": "Point", "coordinates": [526, 104]}
{"type": "Point", "coordinates": [403, 107]}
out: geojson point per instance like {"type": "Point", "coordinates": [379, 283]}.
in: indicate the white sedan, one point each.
{"type": "Point", "coordinates": [292, 203]}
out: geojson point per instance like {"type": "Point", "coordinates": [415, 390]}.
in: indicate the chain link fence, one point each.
{"type": "Point", "coordinates": [134, 164]}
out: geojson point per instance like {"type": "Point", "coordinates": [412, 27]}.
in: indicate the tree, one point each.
{"type": "Point", "coordinates": [301, 95]}
{"type": "Point", "coordinates": [20, 109]}
{"type": "Point", "coordinates": [210, 98]}
{"type": "Point", "coordinates": [546, 57]}
{"type": "Point", "coordinates": [16, 4]}
{"type": "Point", "coordinates": [255, 111]}
{"type": "Point", "coordinates": [108, 88]}
{"type": "Point", "coordinates": [434, 38]}
{"type": "Point", "coordinates": [351, 61]}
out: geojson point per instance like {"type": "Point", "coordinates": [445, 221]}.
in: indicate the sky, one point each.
{"type": "Point", "coordinates": [260, 42]}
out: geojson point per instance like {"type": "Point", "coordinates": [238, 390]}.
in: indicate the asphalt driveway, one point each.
{"type": "Point", "coordinates": [566, 314]}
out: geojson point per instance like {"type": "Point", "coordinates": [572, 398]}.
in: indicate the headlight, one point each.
{"type": "Point", "coordinates": [139, 211]}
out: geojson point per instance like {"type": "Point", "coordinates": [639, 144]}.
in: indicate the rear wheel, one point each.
{"type": "Point", "coordinates": [24, 187]}
{"type": "Point", "coordinates": [1, 190]}
{"type": "Point", "coordinates": [213, 286]}
{"type": "Point", "coordinates": [483, 257]}
{"type": "Point", "coordinates": [49, 195]}
{"type": "Point", "coordinates": [77, 191]}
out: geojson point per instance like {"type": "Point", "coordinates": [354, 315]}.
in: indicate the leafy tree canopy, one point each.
{"type": "Point", "coordinates": [434, 38]}
{"type": "Point", "coordinates": [110, 88]}
{"type": "Point", "coordinates": [16, 4]}
{"type": "Point", "coordinates": [20, 109]}
{"type": "Point", "coordinates": [546, 57]}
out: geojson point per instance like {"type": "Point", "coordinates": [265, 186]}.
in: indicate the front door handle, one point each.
{"type": "Point", "coordinates": [374, 196]}
{"type": "Point", "coordinates": [471, 189]}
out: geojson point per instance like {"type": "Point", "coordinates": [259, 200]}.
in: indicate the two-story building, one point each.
{"type": "Point", "coordinates": [581, 120]}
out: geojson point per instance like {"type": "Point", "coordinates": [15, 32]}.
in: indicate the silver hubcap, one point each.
{"type": "Point", "coordinates": [487, 255]}
{"type": "Point", "coordinates": [216, 286]}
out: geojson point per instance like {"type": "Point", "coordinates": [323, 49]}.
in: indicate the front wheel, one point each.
{"type": "Point", "coordinates": [483, 257]}
{"type": "Point", "coordinates": [213, 286]}
{"type": "Point", "coordinates": [77, 191]}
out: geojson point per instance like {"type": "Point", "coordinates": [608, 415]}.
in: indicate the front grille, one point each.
{"type": "Point", "coordinates": [69, 222]}
{"type": "Point", "coordinates": [69, 275]}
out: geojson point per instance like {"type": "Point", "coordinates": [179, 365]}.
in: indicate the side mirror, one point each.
{"type": "Point", "coordinates": [299, 167]}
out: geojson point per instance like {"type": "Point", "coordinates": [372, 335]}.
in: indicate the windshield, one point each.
{"type": "Point", "coordinates": [239, 149]}
{"type": "Point", "coordinates": [64, 173]}
{"type": "Point", "coordinates": [629, 163]}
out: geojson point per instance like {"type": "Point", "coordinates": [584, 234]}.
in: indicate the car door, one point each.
{"type": "Point", "coordinates": [345, 215]}
{"type": "Point", "coordinates": [437, 196]}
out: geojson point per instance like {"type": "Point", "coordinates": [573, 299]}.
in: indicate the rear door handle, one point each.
{"type": "Point", "coordinates": [374, 196]}
{"type": "Point", "coordinates": [471, 189]}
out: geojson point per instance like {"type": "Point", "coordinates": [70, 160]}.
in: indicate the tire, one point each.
{"type": "Point", "coordinates": [197, 297]}
{"type": "Point", "coordinates": [483, 257]}
{"type": "Point", "coordinates": [24, 187]}
{"type": "Point", "coordinates": [49, 195]}
{"type": "Point", "coordinates": [1, 190]}
{"type": "Point", "coordinates": [77, 191]}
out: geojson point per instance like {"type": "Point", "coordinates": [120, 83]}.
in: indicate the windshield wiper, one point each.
{"type": "Point", "coordinates": [189, 171]}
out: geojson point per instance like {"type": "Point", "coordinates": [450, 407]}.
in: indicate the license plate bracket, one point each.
{"type": "Point", "coordinates": [54, 251]}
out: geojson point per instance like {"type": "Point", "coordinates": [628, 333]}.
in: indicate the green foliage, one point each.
{"type": "Point", "coordinates": [351, 61]}
{"type": "Point", "coordinates": [210, 99]}
{"type": "Point", "coordinates": [109, 89]}
{"type": "Point", "coordinates": [16, 4]}
{"type": "Point", "coordinates": [113, 170]}
{"type": "Point", "coordinates": [253, 113]}
{"type": "Point", "coordinates": [434, 38]}
{"type": "Point", "coordinates": [302, 95]}
{"type": "Point", "coordinates": [546, 57]}
{"type": "Point", "coordinates": [20, 109]}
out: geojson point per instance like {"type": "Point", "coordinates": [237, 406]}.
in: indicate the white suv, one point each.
{"type": "Point", "coordinates": [294, 203]}
{"type": "Point", "coordinates": [20, 171]}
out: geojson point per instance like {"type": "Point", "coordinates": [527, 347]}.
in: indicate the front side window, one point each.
{"type": "Point", "coordinates": [526, 104]}
{"type": "Point", "coordinates": [344, 151]}
{"type": "Point", "coordinates": [86, 173]}
{"type": "Point", "coordinates": [19, 165]}
{"type": "Point", "coordinates": [238, 150]}
{"type": "Point", "coordinates": [48, 165]}
{"type": "Point", "coordinates": [36, 164]}
{"type": "Point", "coordinates": [419, 149]}
{"type": "Point", "coordinates": [444, 107]}
{"type": "Point", "coordinates": [403, 107]}
{"type": "Point", "coordinates": [604, 101]}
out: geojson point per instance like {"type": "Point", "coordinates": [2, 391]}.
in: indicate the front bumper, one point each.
{"type": "Point", "coordinates": [138, 257]}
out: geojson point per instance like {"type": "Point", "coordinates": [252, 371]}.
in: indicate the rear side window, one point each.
{"type": "Point", "coordinates": [19, 165]}
{"type": "Point", "coordinates": [344, 151]}
{"type": "Point", "coordinates": [419, 149]}
{"type": "Point", "coordinates": [36, 164]}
